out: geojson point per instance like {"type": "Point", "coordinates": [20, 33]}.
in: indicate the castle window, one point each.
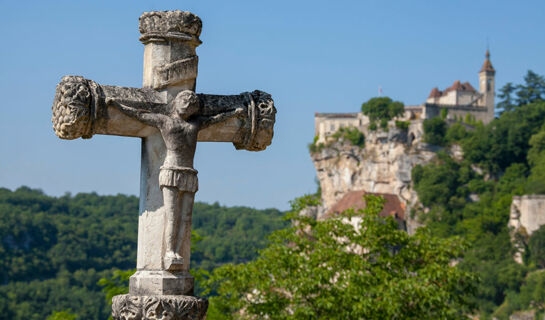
{"type": "Point", "coordinates": [488, 85]}
{"type": "Point", "coordinates": [332, 127]}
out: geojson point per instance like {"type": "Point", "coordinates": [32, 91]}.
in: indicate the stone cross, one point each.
{"type": "Point", "coordinates": [170, 118]}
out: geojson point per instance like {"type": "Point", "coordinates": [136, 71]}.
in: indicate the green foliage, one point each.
{"type": "Point", "coordinates": [384, 124]}
{"type": "Point", "coordinates": [506, 93]}
{"type": "Point", "coordinates": [444, 113]}
{"type": "Point", "coordinates": [514, 96]}
{"type": "Point", "coordinates": [469, 118]}
{"type": "Point", "coordinates": [511, 152]}
{"type": "Point", "coordinates": [536, 160]}
{"type": "Point", "coordinates": [536, 248]}
{"type": "Point", "coordinates": [505, 140]}
{"type": "Point", "coordinates": [54, 251]}
{"type": "Point", "coordinates": [315, 146]}
{"type": "Point", "coordinates": [117, 284]}
{"type": "Point", "coordinates": [456, 132]}
{"type": "Point", "coordinates": [352, 135]}
{"type": "Point", "coordinates": [382, 109]}
{"type": "Point", "coordinates": [61, 315]}
{"type": "Point", "coordinates": [403, 125]}
{"type": "Point", "coordinates": [530, 296]}
{"type": "Point", "coordinates": [434, 131]}
{"type": "Point", "coordinates": [533, 89]}
{"type": "Point", "coordinates": [333, 270]}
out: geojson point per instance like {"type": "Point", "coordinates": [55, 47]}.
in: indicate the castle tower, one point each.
{"type": "Point", "coordinates": [486, 87]}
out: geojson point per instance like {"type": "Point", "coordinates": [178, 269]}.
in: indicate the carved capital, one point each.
{"type": "Point", "coordinates": [170, 25]}
{"type": "Point", "coordinates": [128, 307]}
{"type": "Point", "coordinates": [259, 128]}
{"type": "Point", "coordinates": [74, 107]}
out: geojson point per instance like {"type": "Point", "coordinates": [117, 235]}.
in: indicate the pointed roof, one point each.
{"type": "Point", "coordinates": [435, 93]}
{"type": "Point", "coordinates": [487, 65]}
{"type": "Point", "coordinates": [458, 86]}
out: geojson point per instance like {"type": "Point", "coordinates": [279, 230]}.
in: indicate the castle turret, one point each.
{"type": "Point", "coordinates": [486, 86]}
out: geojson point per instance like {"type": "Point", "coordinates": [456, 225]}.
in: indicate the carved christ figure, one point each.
{"type": "Point", "coordinates": [177, 178]}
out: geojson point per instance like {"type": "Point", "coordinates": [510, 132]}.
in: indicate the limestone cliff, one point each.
{"type": "Point", "coordinates": [383, 166]}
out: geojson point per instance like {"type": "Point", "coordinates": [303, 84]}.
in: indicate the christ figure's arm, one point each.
{"type": "Point", "coordinates": [208, 121]}
{"type": "Point", "coordinates": [152, 119]}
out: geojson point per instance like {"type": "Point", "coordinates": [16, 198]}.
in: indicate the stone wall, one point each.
{"type": "Point", "coordinates": [326, 124]}
{"type": "Point", "coordinates": [460, 112]}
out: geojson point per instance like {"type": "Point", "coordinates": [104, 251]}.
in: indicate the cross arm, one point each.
{"type": "Point", "coordinates": [145, 116]}
{"type": "Point", "coordinates": [80, 110]}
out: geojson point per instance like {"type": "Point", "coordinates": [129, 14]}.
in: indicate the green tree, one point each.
{"type": "Point", "coordinates": [434, 131]}
{"type": "Point", "coordinates": [536, 248]}
{"type": "Point", "coordinates": [506, 95]}
{"type": "Point", "coordinates": [533, 89]}
{"type": "Point", "coordinates": [333, 269]}
{"type": "Point", "coordinates": [382, 109]}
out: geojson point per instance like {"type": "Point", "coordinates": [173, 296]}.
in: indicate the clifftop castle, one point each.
{"type": "Point", "coordinates": [460, 99]}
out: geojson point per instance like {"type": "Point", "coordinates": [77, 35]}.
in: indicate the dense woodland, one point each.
{"type": "Point", "coordinates": [471, 198]}
{"type": "Point", "coordinates": [54, 250]}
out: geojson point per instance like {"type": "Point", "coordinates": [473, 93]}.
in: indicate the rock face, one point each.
{"type": "Point", "coordinates": [523, 315]}
{"type": "Point", "coordinates": [383, 166]}
{"type": "Point", "coordinates": [527, 216]}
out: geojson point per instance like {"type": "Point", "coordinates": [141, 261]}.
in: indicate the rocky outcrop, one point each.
{"type": "Point", "coordinates": [383, 166]}
{"type": "Point", "coordinates": [527, 215]}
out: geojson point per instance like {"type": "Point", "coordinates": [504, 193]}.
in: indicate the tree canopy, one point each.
{"type": "Point", "coordinates": [54, 250]}
{"type": "Point", "coordinates": [513, 96]}
{"type": "Point", "coordinates": [355, 266]}
{"type": "Point", "coordinates": [382, 109]}
{"type": "Point", "coordinates": [471, 198]}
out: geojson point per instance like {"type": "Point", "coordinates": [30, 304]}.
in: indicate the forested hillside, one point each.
{"type": "Point", "coordinates": [53, 250]}
{"type": "Point", "coordinates": [471, 197]}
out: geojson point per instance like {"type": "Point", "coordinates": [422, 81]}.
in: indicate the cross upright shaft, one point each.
{"type": "Point", "coordinates": [167, 110]}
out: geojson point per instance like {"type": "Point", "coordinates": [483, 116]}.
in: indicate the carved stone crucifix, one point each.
{"type": "Point", "coordinates": [170, 118]}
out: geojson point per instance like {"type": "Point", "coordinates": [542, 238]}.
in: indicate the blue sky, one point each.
{"type": "Point", "coordinates": [312, 56]}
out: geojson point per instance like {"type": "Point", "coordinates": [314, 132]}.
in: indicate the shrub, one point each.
{"type": "Point", "coordinates": [352, 135]}
{"type": "Point", "coordinates": [434, 131]}
{"type": "Point", "coordinates": [403, 125]}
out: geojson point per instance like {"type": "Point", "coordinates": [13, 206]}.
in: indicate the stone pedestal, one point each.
{"type": "Point", "coordinates": [164, 307]}
{"type": "Point", "coordinates": [147, 283]}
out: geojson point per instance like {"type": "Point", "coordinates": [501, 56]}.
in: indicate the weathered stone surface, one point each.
{"type": "Point", "coordinates": [145, 282]}
{"type": "Point", "coordinates": [171, 25]}
{"type": "Point", "coordinates": [79, 111]}
{"type": "Point", "coordinates": [523, 315]}
{"type": "Point", "coordinates": [166, 307]}
{"type": "Point", "coordinates": [526, 216]}
{"type": "Point", "coordinates": [383, 166]}
{"type": "Point", "coordinates": [170, 118]}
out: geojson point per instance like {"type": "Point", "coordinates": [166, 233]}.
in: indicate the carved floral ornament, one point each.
{"type": "Point", "coordinates": [128, 307]}
{"type": "Point", "coordinates": [74, 107]}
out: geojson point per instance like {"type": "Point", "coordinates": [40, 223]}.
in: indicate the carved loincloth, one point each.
{"type": "Point", "coordinates": [183, 178]}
